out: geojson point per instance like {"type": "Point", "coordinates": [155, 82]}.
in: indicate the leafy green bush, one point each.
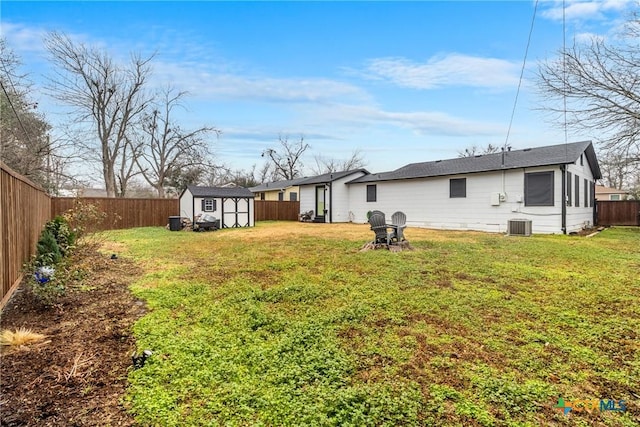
{"type": "Point", "coordinates": [48, 269]}
{"type": "Point", "coordinates": [63, 234]}
{"type": "Point", "coordinates": [47, 250]}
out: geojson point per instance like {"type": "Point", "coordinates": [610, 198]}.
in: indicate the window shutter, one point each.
{"type": "Point", "coordinates": [202, 205]}
{"type": "Point", "coordinates": [569, 192]}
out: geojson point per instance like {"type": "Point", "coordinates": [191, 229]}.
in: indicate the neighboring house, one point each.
{"type": "Point", "coordinates": [608, 193]}
{"type": "Point", "coordinates": [551, 186]}
{"type": "Point", "coordinates": [232, 206]}
{"type": "Point", "coordinates": [286, 190]}
{"type": "Point", "coordinates": [327, 195]}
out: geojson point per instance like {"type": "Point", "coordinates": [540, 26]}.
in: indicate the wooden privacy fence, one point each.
{"type": "Point", "coordinates": [273, 210]}
{"type": "Point", "coordinates": [618, 212]}
{"type": "Point", "coordinates": [123, 213]}
{"type": "Point", "coordinates": [24, 209]}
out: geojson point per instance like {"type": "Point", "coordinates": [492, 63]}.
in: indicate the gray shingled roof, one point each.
{"type": "Point", "coordinates": [277, 185]}
{"type": "Point", "coordinates": [199, 191]}
{"type": "Point", "coordinates": [330, 177]}
{"type": "Point", "coordinates": [530, 157]}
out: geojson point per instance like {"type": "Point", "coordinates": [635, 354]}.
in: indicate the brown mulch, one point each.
{"type": "Point", "coordinates": [77, 376]}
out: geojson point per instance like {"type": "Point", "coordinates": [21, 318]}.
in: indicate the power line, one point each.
{"type": "Point", "coordinates": [524, 62]}
{"type": "Point", "coordinates": [13, 108]}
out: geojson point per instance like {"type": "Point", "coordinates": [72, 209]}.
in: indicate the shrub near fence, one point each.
{"type": "Point", "coordinates": [24, 209]}
{"type": "Point", "coordinates": [123, 213]}
{"type": "Point", "coordinates": [273, 210]}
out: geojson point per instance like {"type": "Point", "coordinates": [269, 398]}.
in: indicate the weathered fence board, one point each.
{"type": "Point", "coordinates": [618, 212]}
{"type": "Point", "coordinates": [273, 210]}
{"type": "Point", "coordinates": [123, 213]}
{"type": "Point", "coordinates": [24, 209]}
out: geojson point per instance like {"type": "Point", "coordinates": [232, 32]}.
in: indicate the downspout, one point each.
{"type": "Point", "coordinates": [193, 211]}
{"type": "Point", "coordinates": [330, 202]}
{"type": "Point", "coordinates": [563, 201]}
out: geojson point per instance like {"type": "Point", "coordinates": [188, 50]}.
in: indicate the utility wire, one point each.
{"type": "Point", "coordinates": [26, 134]}
{"type": "Point", "coordinates": [564, 79]}
{"type": "Point", "coordinates": [524, 62]}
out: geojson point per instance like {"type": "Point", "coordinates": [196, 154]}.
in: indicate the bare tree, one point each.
{"type": "Point", "coordinates": [594, 86]}
{"type": "Point", "coordinates": [104, 94]}
{"type": "Point", "coordinates": [618, 171]}
{"type": "Point", "coordinates": [287, 162]}
{"type": "Point", "coordinates": [24, 142]}
{"type": "Point", "coordinates": [164, 147]}
{"type": "Point", "coordinates": [266, 173]}
{"type": "Point", "coordinates": [474, 150]}
{"type": "Point", "coordinates": [327, 164]}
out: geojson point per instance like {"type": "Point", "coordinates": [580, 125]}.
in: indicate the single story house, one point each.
{"type": "Point", "coordinates": [327, 195]}
{"type": "Point", "coordinates": [608, 193]}
{"type": "Point", "coordinates": [549, 189]}
{"type": "Point", "coordinates": [232, 206]}
{"type": "Point", "coordinates": [285, 190]}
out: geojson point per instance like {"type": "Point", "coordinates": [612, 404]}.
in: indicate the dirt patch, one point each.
{"type": "Point", "coordinates": [77, 375]}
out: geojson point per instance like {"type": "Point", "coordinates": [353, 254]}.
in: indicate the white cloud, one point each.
{"type": "Point", "coordinates": [419, 122]}
{"type": "Point", "coordinates": [23, 39]}
{"type": "Point", "coordinates": [204, 83]}
{"type": "Point", "coordinates": [585, 10]}
{"type": "Point", "coordinates": [448, 70]}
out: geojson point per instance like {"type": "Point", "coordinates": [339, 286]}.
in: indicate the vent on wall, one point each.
{"type": "Point", "coordinates": [519, 227]}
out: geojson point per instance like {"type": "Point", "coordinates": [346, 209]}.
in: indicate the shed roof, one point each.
{"type": "Point", "coordinates": [529, 157]}
{"type": "Point", "coordinates": [330, 177]}
{"type": "Point", "coordinates": [200, 191]}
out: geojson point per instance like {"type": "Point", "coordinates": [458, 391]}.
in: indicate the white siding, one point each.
{"type": "Point", "coordinates": [308, 198]}
{"type": "Point", "coordinates": [338, 199]}
{"type": "Point", "coordinates": [198, 207]}
{"type": "Point", "coordinates": [186, 207]}
{"type": "Point", "coordinates": [427, 203]}
{"type": "Point", "coordinates": [581, 216]}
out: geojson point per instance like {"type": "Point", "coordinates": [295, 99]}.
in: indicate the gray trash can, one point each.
{"type": "Point", "coordinates": [175, 223]}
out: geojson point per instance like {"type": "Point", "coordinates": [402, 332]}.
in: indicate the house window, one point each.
{"type": "Point", "coordinates": [261, 196]}
{"type": "Point", "coordinates": [569, 192]}
{"type": "Point", "coordinates": [581, 160]}
{"type": "Point", "coordinates": [586, 193]}
{"type": "Point", "coordinates": [577, 191]}
{"type": "Point", "coordinates": [614, 197]}
{"type": "Point", "coordinates": [538, 188]}
{"type": "Point", "coordinates": [458, 187]}
{"type": "Point", "coordinates": [371, 193]}
{"type": "Point", "coordinates": [293, 196]}
{"type": "Point", "coordinates": [281, 196]}
{"type": "Point", "coordinates": [208, 205]}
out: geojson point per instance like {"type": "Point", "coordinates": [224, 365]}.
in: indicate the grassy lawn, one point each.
{"type": "Point", "coordinates": [289, 324]}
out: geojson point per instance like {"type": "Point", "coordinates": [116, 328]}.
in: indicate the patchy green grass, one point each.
{"type": "Point", "coordinates": [289, 324]}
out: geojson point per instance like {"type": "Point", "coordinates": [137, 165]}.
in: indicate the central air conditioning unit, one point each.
{"type": "Point", "coordinates": [519, 227]}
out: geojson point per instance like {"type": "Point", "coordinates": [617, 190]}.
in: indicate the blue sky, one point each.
{"type": "Point", "coordinates": [401, 81]}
